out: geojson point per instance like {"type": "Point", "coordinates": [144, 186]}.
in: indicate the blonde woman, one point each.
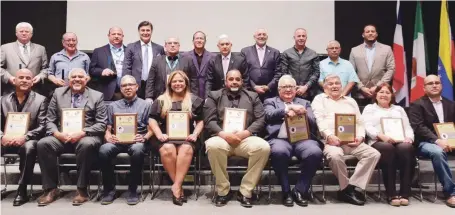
{"type": "Point", "coordinates": [176, 156]}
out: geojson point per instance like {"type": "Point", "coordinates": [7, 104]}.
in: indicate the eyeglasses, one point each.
{"type": "Point", "coordinates": [70, 40]}
{"type": "Point", "coordinates": [433, 83]}
{"type": "Point", "coordinates": [287, 87]}
{"type": "Point", "coordinates": [127, 85]}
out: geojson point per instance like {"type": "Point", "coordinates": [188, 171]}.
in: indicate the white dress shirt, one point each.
{"type": "Point", "coordinates": [261, 53]}
{"type": "Point", "coordinates": [372, 115]}
{"type": "Point", "coordinates": [439, 110]}
{"type": "Point", "coordinates": [150, 52]}
{"type": "Point", "coordinates": [225, 61]}
{"type": "Point", "coordinates": [21, 49]}
{"type": "Point", "coordinates": [283, 134]}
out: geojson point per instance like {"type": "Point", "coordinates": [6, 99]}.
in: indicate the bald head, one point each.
{"type": "Point", "coordinates": [261, 37]}
{"type": "Point", "coordinates": [431, 78]}
{"type": "Point", "coordinates": [24, 80]}
{"type": "Point", "coordinates": [69, 35]}
{"type": "Point", "coordinates": [24, 71]}
{"type": "Point", "coordinates": [115, 36]}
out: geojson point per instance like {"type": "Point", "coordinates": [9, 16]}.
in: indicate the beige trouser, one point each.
{"type": "Point", "coordinates": [368, 158]}
{"type": "Point", "coordinates": [254, 148]}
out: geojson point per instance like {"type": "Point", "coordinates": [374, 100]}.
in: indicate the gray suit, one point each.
{"type": "Point", "coordinates": [36, 105]}
{"type": "Point", "coordinates": [11, 58]}
{"type": "Point", "coordinates": [266, 74]}
{"type": "Point", "coordinates": [381, 71]}
{"type": "Point", "coordinates": [156, 82]}
{"type": "Point", "coordinates": [87, 147]}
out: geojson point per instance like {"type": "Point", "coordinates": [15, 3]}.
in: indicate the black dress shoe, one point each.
{"type": "Point", "coordinates": [221, 201]}
{"type": "Point", "coordinates": [348, 195]}
{"type": "Point", "coordinates": [177, 200]}
{"type": "Point", "coordinates": [287, 199]}
{"type": "Point", "coordinates": [20, 199]}
{"type": "Point", "coordinates": [298, 198]}
{"type": "Point", "coordinates": [184, 198]}
{"type": "Point", "coordinates": [244, 201]}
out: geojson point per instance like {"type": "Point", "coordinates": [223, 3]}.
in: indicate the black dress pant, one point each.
{"type": "Point", "coordinates": [393, 157]}
{"type": "Point", "coordinates": [49, 148]}
{"type": "Point", "coordinates": [27, 156]}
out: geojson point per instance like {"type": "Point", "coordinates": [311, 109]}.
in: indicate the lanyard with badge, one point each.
{"type": "Point", "coordinates": [171, 68]}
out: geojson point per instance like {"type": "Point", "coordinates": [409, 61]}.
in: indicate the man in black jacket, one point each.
{"type": "Point", "coordinates": [432, 108]}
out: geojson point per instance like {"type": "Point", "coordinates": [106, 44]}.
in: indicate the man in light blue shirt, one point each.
{"type": "Point", "coordinates": [67, 59]}
{"type": "Point", "coordinates": [341, 67]}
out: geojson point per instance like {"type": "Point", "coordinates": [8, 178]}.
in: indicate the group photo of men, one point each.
{"type": "Point", "coordinates": [234, 103]}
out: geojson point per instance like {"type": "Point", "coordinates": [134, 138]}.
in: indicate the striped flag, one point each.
{"type": "Point", "coordinates": [400, 79]}
{"type": "Point", "coordinates": [419, 57]}
{"type": "Point", "coordinates": [445, 62]}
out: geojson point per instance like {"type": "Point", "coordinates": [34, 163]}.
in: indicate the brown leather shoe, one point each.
{"type": "Point", "coordinates": [81, 197]}
{"type": "Point", "coordinates": [451, 202]}
{"type": "Point", "coordinates": [48, 197]}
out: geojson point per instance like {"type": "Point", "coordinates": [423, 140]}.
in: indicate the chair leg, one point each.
{"type": "Point", "coordinates": [142, 185]}
{"type": "Point", "coordinates": [213, 187]}
{"type": "Point", "coordinates": [150, 174]}
{"type": "Point", "coordinates": [418, 178]}
{"type": "Point", "coordinates": [199, 176]}
{"type": "Point", "coordinates": [4, 175]}
{"type": "Point", "coordinates": [153, 177]}
{"type": "Point", "coordinates": [435, 187]}
{"type": "Point", "coordinates": [311, 192]}
{"type": "Point", "coordinates": [195, 177]}
{"type": "Point", "coordinates": [323, 180]}
{"type": "Point", "coordinates": [379, 184]}
{"type": "Point", "coordinates": [270, 186]}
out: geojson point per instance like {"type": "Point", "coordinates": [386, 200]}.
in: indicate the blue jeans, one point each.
{"type": "Point", "coordinates": [440, 164]}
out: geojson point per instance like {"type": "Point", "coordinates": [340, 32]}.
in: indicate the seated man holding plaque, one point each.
{"type": "Point", "coordinates": [292, 131]}
{"type": "Point", "coordinates": [432, 117]}
{"type": "Point", "coordinates": [127, 131]}
{"type": "Point", "coordinates": [390, 133]}
{"type": "Point", "coordinates": [76, 123]}
{"type": "Point", "coordinates": [172, 121]}
{"type": "Point", "coordinates": [233, 116]}
{"type": "Point", "coordinates": [341, 125]}
{"type": "Point", "coordinates": [20, 109]}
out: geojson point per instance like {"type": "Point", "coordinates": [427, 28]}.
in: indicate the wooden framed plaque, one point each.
{"type": "Point", "coordinates": [345, 127]}
{"type": "Point", "coordinates": [446, 131]}
{"type": "Point", "coordinates": [234, 119]}
{"type": "Point", "coordinates": [17, 124]}
{"type": "Point", "coordinates": [73, 120]}
{"type": "Point", "coordinates": [393, 128]}
{"type": "Point", "coordinates": [178, 125]}
{"type": "Point", "coordinates": [297, 128]}
{"type": "Point", "coordinates": [125, 127]}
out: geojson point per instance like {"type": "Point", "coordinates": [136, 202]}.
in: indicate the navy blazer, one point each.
{"type": "Point", "coordinates": [202, 70]}
{"type": "Point", "coordinates": [102, 59]}
{"type": "Point", "coordinates": [269, 73]}
{"type": "Point", "coordinates": [132, 64]}
{"type": "Point", "coordinates": [274, 116]}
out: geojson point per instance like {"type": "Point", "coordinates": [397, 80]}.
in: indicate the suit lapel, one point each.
{"type": "Point", "coordinates": [155, 50]}
{"type": "Point", "coordinates": [84, 98]}
{"type": "Point", "coordinates": [219, 64]}
{"type": "Point", "coordinates": [30, 98]}
{"type": "Point", "coordinates": [231, 61]}
{"type": "Point", "coordinates": [445, 108]}
{"type": "Point", "coordinates": [266, 55]}
{"type": "Point", "coordinates": [430, 106]}
{"type": "Point", "coordinates": [205, 60]}
{"type": "Point", "coordinates": [256, 55]}
{"type": "Point", "coordinates": [16, 48]}
{"type": "Point", "coordinates": [194, 58]}
{"type": "Point", "coordinates": [139, 49]}
{"type": "Point", "coordinates": [66, 102]}
{"type": "Point", "coordinates": [12, 103]}
{"type": "Point", "coordinates": [377, 55]}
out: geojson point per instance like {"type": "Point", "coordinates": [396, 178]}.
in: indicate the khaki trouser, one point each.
{"type": "Point", "coordinates": [368, 158]}
{"type": "Point", "coordinates": [254, 148]}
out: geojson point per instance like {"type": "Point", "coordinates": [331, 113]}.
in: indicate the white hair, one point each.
{"type": "Point", "coordinates": [331, 76]}
{"type": "Point", "coordinates": [24, 25]}
{"type": "Point", "coordinates": [223, 37]}
{"type": "Point", "coordinates": [286, 78]}
{"type": "Point", "coordinates": [128, 77]}
{"type": "Point", "coordinates": [77, 70]}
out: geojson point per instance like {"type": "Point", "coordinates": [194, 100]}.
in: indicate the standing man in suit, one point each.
{"type": "Point", "coordinates": [432, 108]}
{"type": "Point", "coordinates": [67, 59]}
{"type": "Point", "coordinates": [308, 152]}
{"type": "Point", "coordinates": [23, 54]}
{"type": "Point", "coordinates": [107, 65]}
{"type": "Point", "coordinates": [24, 100]}
{"type": "Point", "coordinates": [84, 143]}
{"type": "Point", "coordinates": [164, 65]}
{"type": "Point", "coordinates": [263, 65]}
{"type": "Point", "coordinates": [222, 63]}
{"type": "Point", "coordinates": [139, 56]}
{"type": "Point", "coordinates": [201, 57]}
{"type": "Point", "coordinates": [374, 64]}
{"type": "Point", "coordinates": [303, 64]}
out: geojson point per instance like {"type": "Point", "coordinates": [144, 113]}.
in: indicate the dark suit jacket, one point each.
{"type": "Point", "coordinates": [94, 107]}
{"type": "Point", "coordinates": [202, 70]}
{"type": "Point", "coordinates": [267, 74]}
{"type": "Point", "coordinates": [274, 116]}
{"type": "Point", "coordinates": [36, 105]}
{"type": "Point", "coordinates": [132, 64]}
{"type": "Point", "coordinates": [215, 73]}
{"type": "Point", "coordinates": [422, 115]}
{"type": "Point", "coordinates": [214, 108]}
{"type": "Point", "coordinates": [156, 82]}
{"type": "Point", "coordinates": [102, 59]}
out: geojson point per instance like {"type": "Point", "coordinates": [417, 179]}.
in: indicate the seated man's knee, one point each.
{"type": "Point", "coordinates": [315, 152]}
{"type": "Point", "coordinates": [215, 143]}
{"type": "Point", "coordinates": [277, 151]}
{"type": "Point", "coordinates": [29, 147]}
{"type": "Point", "coordinates": [335, 156]}
{"type": "Point", "coordinates": [44, 143]}
{"type": "Point", "coordinates": [167, 150]}
{"type": "Point", "coordinates": [86, 144]}
{"type": "Point", "coordinates": [105, 150]}
{"type": "Point", "coordinates": [137, 149]}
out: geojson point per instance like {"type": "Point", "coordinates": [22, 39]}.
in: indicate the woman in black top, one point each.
{"type": "Point", "coordinates": [176, 155]}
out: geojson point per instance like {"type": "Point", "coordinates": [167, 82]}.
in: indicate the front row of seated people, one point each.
{"type": "Point", "coordinates": [98, 144]}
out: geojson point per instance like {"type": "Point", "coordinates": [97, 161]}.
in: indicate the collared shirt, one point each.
{"type": "Point", "coordinates": [136, 105]}
{"type": "Point", "coordinates": [118, 55]}
{"type": "Point", "coordinates": [303, 67]}
{"type": "Point", "coordinates": [342, 68]}
{"type": "Point", "coordinates": [439, 110]}
{"type": "Point", "coordinates": [283, 133]}
{"type": "Point", "coordinates": [21, 49]}
{"type": "Point", "coordinates": [18, 104]}
{"type": "Point", "coordinates": [370, 54]}
{"type": "Point", "coordinates": [150, 53]}
{"type": "Point", "coordinates": [225, 61]}
{"type": "Point", "coordinates": [261, 53]}
{"type": "Point", "coordinates": [324, 109]}
{"type": "Point", "coordinates": [372, 115]}
{"type": "Point", "coordinates": [199, 57]}
{"type": "Point", "coordinates": [61, 64]}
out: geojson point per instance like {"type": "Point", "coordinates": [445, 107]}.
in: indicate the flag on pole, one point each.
{"type": "Point", "coordinates": [400, 79]}
{"type": "Point", "coordinates": [419, 57]}
{"type": "Point", "coordinates": [445, 60]}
